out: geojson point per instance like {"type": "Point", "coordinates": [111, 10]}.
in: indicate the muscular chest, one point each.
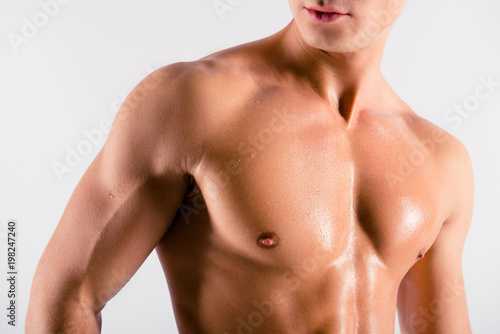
{"type": "Point", "coordinates": [301, 174]}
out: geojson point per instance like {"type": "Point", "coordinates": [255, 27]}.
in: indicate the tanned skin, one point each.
{"type": "Point", "coordinates": [285, 187]}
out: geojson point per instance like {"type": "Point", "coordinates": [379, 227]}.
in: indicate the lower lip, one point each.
{"type": "Point", "coordinates": [323, 17]}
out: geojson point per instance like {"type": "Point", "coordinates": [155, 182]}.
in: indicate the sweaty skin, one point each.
{"type": "Point", "coordinates": [285, 187]}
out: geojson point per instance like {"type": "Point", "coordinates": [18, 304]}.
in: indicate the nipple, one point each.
{"type": "Point", "coordinates": [268, 240]}
{"type": "Point", "coordinates": [421, 254]}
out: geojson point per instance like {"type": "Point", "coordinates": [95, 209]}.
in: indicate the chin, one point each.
{"type": "Point", "coordinates": [338, 39]}
{"type": "Point", "coordinates": [331, 45]}
{"type": "Point", "coordinates": [330, 40]}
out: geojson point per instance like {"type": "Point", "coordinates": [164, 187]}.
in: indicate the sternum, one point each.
{"type": "Point", "coordinates": [351, 267]}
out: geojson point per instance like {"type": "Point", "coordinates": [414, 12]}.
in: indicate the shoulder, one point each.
{"type": "Point", "coordinates": [222, 80]}
{"type": "Point", "coordinates": [451, 162]}
{"type": "Point", "coordinates": [445, 149]}
{"type": "Point", "coordinates": [179, 107]}
{"type": "Point", "coordinates": [221, 73]}
{"type": "Point", "coordinates": [201, 88]}
{"type": "Point", "coordinates": [193, 79]}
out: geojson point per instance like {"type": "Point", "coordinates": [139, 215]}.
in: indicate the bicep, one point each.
{"type": "Point", "coordinates": [121, 207]}
{"type": "Point", "coordinates": [108, 230]}
{"type": "Point", "coordinates": [431, 297]}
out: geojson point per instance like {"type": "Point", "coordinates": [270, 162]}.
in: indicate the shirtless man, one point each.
{"type": "Point", "coordinates": [285, 187]}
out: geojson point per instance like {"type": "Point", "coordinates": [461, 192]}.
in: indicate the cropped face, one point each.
{"type": "Point", "coordinates": [344, 25]}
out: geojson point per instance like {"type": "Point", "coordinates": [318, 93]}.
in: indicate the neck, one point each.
{"type": "Point", "coordinates": [347, 81]}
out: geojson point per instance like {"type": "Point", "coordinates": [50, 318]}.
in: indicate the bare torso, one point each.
{"type": "Point", "coordinates": [298, 219]}
{"type": "Point", "coordinates": [285, 187]}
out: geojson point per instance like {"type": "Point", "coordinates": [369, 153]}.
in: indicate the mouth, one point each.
{"type": "Point", "coordinates": [325, 15]}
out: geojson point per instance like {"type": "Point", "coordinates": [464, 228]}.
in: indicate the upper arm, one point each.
{"type": "Point", "coordinates": [123, 204]}
{"type": "Point", "coordinates": [431, 296]}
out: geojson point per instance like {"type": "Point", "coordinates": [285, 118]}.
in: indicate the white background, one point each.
{"type": "Point", "coordinates": [78, 67]}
